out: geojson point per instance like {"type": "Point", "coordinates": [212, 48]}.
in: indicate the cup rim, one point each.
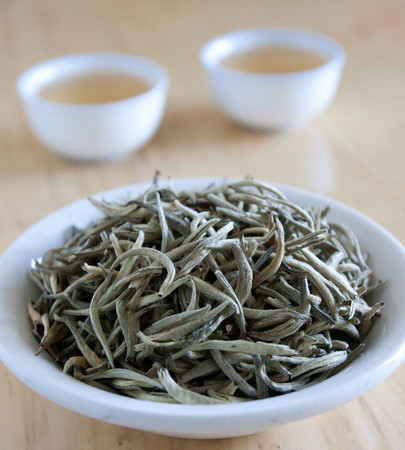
{"type": "Point", "coordinates": [32, 79]}
{"type": "Point", "coordinates": [217, 48]}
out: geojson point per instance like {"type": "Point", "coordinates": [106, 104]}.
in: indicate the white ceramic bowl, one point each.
{"type": "Point", "coordinates": [384, 352]}
{"type": "Point", "coordinates": [99, 131]}
{"type": "Point", "coordinates": [273, 101]}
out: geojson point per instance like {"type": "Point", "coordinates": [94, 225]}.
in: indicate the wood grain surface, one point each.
{"type": "Point", "coordinates": [354, 153]}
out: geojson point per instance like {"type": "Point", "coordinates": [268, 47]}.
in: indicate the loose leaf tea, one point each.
{"type": "Point", "coordinates": [226, 295]}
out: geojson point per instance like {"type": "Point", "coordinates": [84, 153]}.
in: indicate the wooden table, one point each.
{"type": "Point", "coordinates": [354, 153]}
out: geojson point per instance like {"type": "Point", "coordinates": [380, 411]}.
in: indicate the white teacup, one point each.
{"type": "Point", "coordinates": [94, 131]}
{"type": "Point", "coordinates": [273, 101]}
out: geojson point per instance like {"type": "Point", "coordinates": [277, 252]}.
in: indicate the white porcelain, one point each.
{"type": "Point", "coordinates": [94, 132]}
{"type": "Point", "coordinates": [273, 101]}
{"type": "Point", "coordinates": [385, 345]}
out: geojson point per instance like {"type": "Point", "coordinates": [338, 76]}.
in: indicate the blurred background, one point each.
{"type": "Point", "coordinates": [366, 119]}
{"type": "Point", "coordinates": [353, 152]}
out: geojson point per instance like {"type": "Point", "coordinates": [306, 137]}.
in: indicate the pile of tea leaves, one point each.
{"type": "Point", "coordinates": [230, 294]}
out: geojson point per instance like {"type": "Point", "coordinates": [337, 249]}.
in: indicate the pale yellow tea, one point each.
{"type": "Point", "coordinates": [94, 88]}
{"type": "Point", "coordinates": [275, 59]}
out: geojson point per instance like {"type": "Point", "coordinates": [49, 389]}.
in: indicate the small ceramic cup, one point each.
{"type": "Point", "coordinates": [94, 131]}
{"type": "Point", "coordinates": [273, 101]}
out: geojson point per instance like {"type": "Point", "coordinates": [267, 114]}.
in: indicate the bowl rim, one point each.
{"type": "Point", "coordinates": [265, 36]}
{"type": "Point", "coordinates": [84, 62]}
{"type": "Point", "coordinates": [66, 391]}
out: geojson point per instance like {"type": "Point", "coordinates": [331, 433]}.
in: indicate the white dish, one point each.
{"type": "Point", "coordinates": [385, 345]}
{"type": "Point", "coordinates": [273, 101]}
{"type": "Point", "coordinates": [98, 131]}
